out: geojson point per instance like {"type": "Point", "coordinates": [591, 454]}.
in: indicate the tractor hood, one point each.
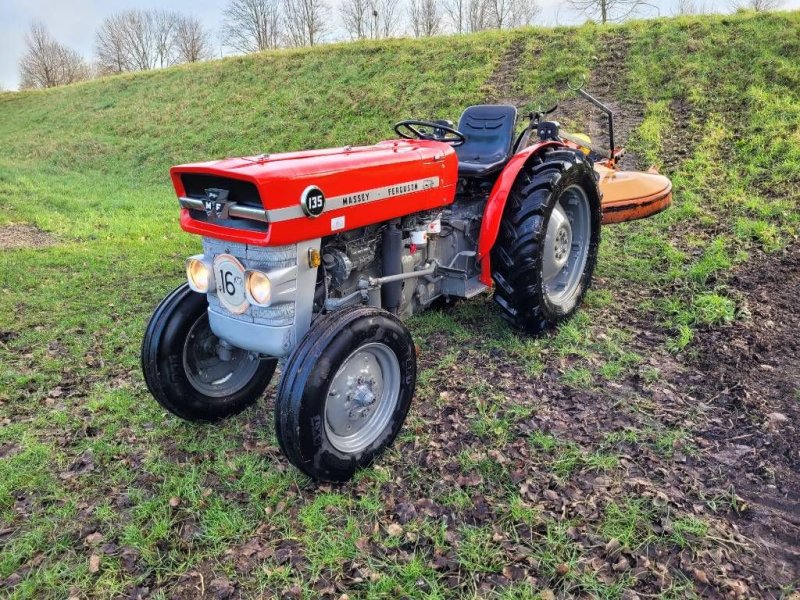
{"type": "Point", "coordinates": [288, 197]}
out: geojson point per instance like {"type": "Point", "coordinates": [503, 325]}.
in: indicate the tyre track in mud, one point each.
{"type": "Point", "coordinates": [606, 78]}
{"type": "Point", "coordinates": [503, 85]}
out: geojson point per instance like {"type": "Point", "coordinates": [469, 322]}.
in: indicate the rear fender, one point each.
{"type": "Point", "coordinates": [493, 213]}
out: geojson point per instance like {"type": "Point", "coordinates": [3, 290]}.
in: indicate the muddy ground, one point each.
{"type": "Point", "coordinates": [23, 236]}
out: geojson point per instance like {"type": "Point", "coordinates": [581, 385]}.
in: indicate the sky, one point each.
{"type": "Point", "coordinates": [74, 22]}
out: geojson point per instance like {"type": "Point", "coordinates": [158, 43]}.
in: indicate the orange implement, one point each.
{"type": "Point", "coordinates": [631, 195]}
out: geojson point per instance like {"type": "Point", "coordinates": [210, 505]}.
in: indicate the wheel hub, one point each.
{"type": "Point", "coordinates": [562, 243]}
{"type": "Point", "coordinates": [361, 397]}
{"type": "Point", "coordinates": [558, 243]}
{"type": "Point", "coordinates": [214, 367]}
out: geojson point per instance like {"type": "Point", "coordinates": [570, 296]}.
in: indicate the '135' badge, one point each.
{"type": "Point", "coordinates": [312, 201]}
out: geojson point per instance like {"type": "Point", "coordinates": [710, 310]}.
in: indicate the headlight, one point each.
{"type": "Point", "coordinates": [259, 288]}
{"type": "Point", "coordinates": [199, 274]}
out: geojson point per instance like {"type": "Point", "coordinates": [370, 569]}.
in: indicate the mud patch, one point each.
{"type": "Point", "coordinates": [749, 375]}
{"type": "Point", "coordinates": [23, 235]}
{"type": "Point", "coordinates": [683, 136]}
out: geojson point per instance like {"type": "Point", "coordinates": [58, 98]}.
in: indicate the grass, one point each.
{"type": "Point", "coordinates": [85, 449]}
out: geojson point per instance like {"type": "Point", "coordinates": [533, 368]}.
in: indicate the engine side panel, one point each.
{"type": "Point", "coordinates": [447, 236]}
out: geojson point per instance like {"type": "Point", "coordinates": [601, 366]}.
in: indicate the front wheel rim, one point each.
{"type": "Point", "coordinates": [362, 397]}
{"type": "Point", "coordinates": [566, 247]}
{"type": "Point", "coordinates": [207, 372]}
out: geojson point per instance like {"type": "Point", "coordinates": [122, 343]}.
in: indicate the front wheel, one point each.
{"type": "Point", "coordinates": [345, 392]}
{"type": "Point", "coordinates": [190, 371]}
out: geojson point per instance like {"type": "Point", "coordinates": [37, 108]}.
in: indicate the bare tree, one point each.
{"type": "Point", "coordinates": [758, 5]}
{"type": "Point", "coordinates": [609, 10]}
{"type": "Point", "coordinates": [478, 15]}
{"type": "Point", "coordinates": [455, 11]}
{"type": "Point", "coordinates": [163, 26]}
{"type": "Point", "coordinates": [252, 25]}
{"type": "Point", "coordinates": [129, 41]}
{"type": "Point", "coordinates": [426, 17]}
{"type": "Point", "coordinates": [306, 21]}
{"type": "Point", "coordinates": [111, 48]}
{"type": "Point", "coordinates": [374, 19]}
{"type": "Point", "coordinates": [46, 63]}
{"type": "Point", "coordinates": [511, 13]}
{"type": "Point", "coordinates": [192, 42]}
{"type": "Point", "coordinates": [139, 37]}
{"type": "Point", "coordinates": [357, 18]}
{"type": "Point", "coordinates": [387, 21]}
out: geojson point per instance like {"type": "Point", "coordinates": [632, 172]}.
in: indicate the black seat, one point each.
{"type": "Point", "coordinates": [489, 131]}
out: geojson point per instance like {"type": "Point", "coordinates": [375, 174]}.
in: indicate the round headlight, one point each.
{"type": "Point", "coordinates": [198, 274]}
{"type": "Point", "coordinates": [259, 289]}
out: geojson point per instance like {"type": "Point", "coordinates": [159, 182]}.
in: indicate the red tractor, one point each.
{"type": "Point", "coordinates": [313, 259]}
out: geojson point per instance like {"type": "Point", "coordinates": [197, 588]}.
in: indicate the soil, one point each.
{"type": "Point", "coordinates": [749, 374]}
{"type": "Point", "coordinates": [23, 235]}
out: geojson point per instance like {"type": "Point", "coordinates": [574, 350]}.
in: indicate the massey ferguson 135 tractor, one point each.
{"type": "Point", "coordinates": [314, 258]}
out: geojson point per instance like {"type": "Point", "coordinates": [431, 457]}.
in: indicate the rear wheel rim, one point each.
{"type": "Point", "coordinates": [362, 397]}
{"type": "Point", "coordinates": [566, 246]}
{"type": "Point", "coordinates": [207, 372]}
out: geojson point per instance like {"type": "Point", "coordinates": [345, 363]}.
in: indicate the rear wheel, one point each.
{"type": "Point", "coordinates": [190, 371]}
{"type": "Point", "coordinates": [546, 250]}
{"type": "Point", "coordinates": [345, 392]}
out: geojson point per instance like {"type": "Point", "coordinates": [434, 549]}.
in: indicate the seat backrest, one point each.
{"type": "Point", "coordinates": [489, 131]}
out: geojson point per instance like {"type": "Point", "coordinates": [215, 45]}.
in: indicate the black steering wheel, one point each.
{"type": "Point", "coordinates": [439, 132]}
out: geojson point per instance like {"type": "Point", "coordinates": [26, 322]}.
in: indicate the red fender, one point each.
{"type": "Point", "coordinates": [493, 213]}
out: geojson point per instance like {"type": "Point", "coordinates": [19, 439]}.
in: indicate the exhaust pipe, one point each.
{"type": "Point", "coordinates": [392, 250]}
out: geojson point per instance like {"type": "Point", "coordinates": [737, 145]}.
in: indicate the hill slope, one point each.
{"type": "Point", "coordinates": [623, 454]}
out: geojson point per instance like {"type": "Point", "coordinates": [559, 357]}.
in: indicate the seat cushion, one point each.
{"type": "Point", "coordinates": [489, 131]}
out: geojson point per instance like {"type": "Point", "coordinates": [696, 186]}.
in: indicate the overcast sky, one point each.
{"type": "Point", "coordinates": [74, 22]}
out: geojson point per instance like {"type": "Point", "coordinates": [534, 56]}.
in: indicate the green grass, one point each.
{"type": "Point", "coordinates": [85, 448]}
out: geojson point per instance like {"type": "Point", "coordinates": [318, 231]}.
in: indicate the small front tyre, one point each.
{"type": "Point", "coordinates": [191, 372]}
{"type": "Point", "coordinates": [345, 392]}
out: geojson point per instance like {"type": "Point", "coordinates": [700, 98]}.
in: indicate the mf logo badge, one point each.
{"type": "Point", "coordinates": [313, 201]}
{"type": "Point", "coordinates": [216, 203]}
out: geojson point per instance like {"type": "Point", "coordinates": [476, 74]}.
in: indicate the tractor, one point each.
{"type": "Point", "coordinates": [313, 259]}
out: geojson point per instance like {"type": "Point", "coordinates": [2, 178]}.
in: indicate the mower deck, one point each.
{"type": "Point", "coordinates": [629, 195]}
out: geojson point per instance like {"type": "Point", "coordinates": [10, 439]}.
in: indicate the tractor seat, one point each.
{"type": "Point", "coordinates": [489, 132]}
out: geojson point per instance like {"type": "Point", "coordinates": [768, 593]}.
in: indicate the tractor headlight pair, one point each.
{"type": "Point", "coordinates": [199, 274]}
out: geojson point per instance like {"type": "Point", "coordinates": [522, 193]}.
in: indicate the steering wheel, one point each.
{"type": "Point", "coordinates": [408, 131]}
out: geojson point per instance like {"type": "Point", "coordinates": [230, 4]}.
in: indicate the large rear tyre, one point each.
{"type": "Point", "coordinates": [345, 392]}
{"type": "Point", "coordinates": [546, 249]}
{"type": "Point", "coordinates": [189, 371]}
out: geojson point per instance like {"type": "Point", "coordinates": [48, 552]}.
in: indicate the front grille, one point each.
{"type": "Point", "coordinates": [242, 193]}
{"type": "Point", "coordinates": [254, 257]}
